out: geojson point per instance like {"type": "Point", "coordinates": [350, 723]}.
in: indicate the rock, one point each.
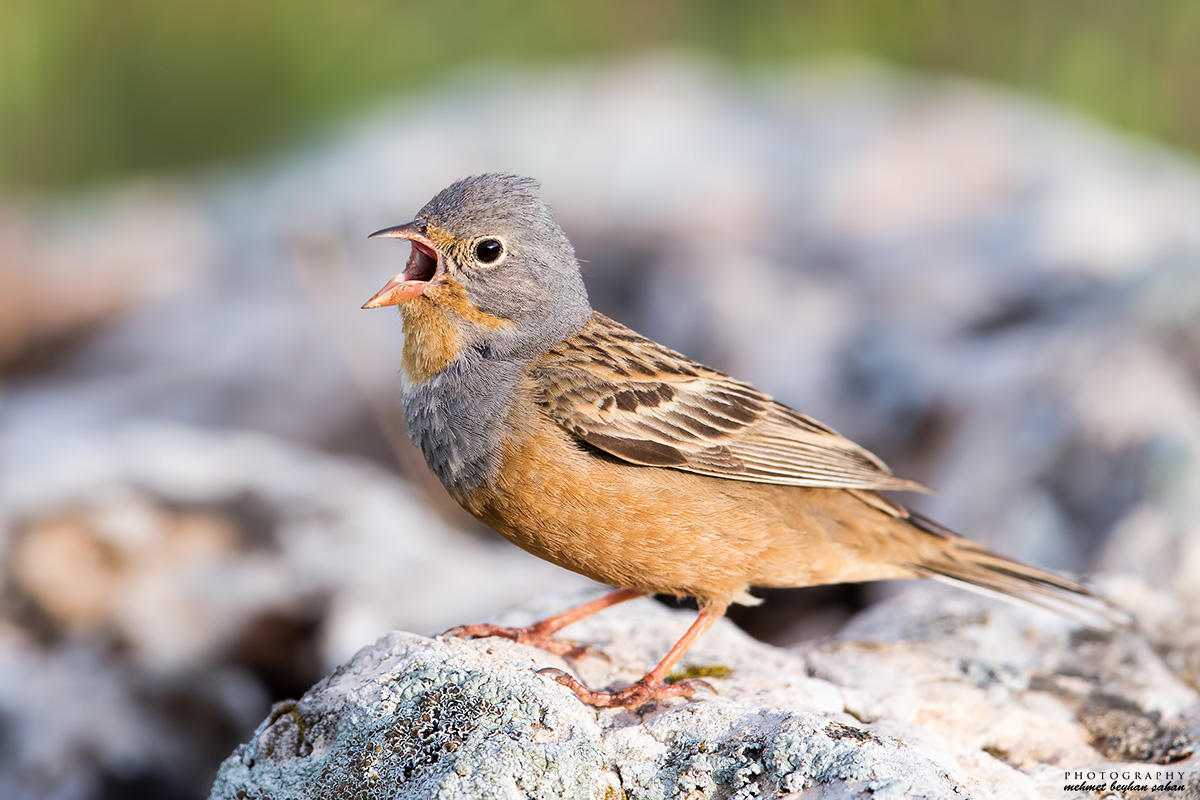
{"type": "Point", "coordinates": [933, 694]}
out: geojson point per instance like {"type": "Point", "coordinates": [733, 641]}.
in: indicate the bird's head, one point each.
{"type": "Point", "coordinates": [489, 269]}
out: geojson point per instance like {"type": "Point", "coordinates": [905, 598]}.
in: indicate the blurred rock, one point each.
{"type": "Point", "coordinates": [68, 271]}
{"type": "Point", "coordinates": [921, 698]}
{"type": "Point", "coordinates": [161, 585]}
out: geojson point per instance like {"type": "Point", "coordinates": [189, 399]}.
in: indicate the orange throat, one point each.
{"type": "Point", "coordinates": [431, 340]}
{"type": "Point", "coordinates": [435, 326]}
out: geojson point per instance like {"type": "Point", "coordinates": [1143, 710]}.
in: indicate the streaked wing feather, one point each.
{"type": "Point", "coordinates": [646, 404]}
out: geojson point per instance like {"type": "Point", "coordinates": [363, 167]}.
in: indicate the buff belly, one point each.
{"type": "Point", "coordinates": [671, 532]}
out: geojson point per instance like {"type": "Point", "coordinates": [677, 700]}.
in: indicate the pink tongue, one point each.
{"type": "Point", "coordinates": [422, 264]}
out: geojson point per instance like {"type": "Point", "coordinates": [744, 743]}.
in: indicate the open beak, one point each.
{"type": "Point", "coordinates": [421, 267]}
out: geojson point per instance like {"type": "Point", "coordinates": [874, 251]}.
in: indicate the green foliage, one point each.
{"type": "Point", "coordinates": [93, 89]}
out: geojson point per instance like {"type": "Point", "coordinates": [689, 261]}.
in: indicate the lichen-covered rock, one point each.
{"type": "Point", "coordinates": [1023, 687]}
{"type": "Point", "coordinates": [438, 718]}
{"type": "Point", "coordinates": [932, 695]}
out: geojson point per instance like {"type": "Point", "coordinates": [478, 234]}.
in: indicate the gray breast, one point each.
{"type": "Point", "coordinates": [458, 418]}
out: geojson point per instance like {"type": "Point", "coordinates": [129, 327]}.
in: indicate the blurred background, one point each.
{"type": "Point", "coordinates": [965, 235]}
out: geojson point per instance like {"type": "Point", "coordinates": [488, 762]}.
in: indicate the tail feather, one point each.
{"type": "Point", "coordinates": [972, 566]}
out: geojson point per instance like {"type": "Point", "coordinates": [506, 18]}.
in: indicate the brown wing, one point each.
{"type": "Point", "coordinates": [643, 403]}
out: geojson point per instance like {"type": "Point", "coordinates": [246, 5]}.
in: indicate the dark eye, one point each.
{"type": "Point", "coordinates": [488, 250]}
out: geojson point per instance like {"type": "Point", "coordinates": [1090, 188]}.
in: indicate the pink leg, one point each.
{"type": "Point", "coordinates": [651, 686]}
{"type": "Point", "coordinates": [541, 634]}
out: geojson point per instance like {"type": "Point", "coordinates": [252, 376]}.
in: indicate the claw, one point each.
{"type": "Point", "coordinates": [532, 635]}
{"type": "Point", "coordinates": [633, 698]}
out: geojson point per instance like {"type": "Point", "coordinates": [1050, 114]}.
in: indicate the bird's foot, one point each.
{"type": "Point", "coordinates": [532, 635]}
{"type": "Point", "coordinates": [641, 693]}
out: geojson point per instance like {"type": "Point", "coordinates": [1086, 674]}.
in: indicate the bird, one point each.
{"type": "Point", "coordinates": [611, 455]}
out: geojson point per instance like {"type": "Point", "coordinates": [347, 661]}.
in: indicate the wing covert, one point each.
{"type": "Point", "coordinates": [646, 404]}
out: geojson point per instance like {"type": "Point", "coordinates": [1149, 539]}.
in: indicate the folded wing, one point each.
{"type": "Point", "coordinates": [643, 403]}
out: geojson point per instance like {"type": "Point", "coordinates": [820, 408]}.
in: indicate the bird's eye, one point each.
{"type": "Point", "coordinates": [488, 250]}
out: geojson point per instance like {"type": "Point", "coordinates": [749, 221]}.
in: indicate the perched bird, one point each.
{"type": "Point", "coordinates": [611, 455]}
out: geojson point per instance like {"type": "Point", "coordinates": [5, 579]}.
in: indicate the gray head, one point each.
{"type": "Point", "coordinates": [489, 261]}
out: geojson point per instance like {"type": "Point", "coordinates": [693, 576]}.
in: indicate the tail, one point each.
{"type": "Point", "coordinates": [972, 566]}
